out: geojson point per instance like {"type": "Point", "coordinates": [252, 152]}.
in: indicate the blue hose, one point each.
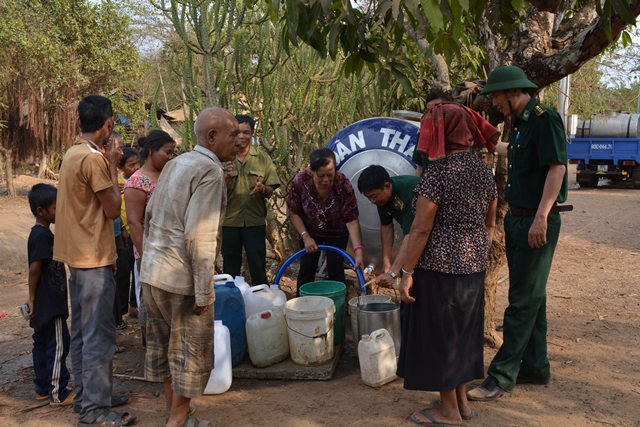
{"type": "Point", "coordinates": [301, 252]}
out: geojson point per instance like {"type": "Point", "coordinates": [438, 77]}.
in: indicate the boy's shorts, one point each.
{"type": "Point", "coordinates": [179, 343]}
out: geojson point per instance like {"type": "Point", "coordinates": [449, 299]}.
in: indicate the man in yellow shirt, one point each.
{"type": "Point", "coordinates": [251, 179]}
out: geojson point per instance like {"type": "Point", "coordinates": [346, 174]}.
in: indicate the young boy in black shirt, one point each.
{"type": "Point", "coordinates": [48, 306]}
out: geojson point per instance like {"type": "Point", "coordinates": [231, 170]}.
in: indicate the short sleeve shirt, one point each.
{"type": "Point", "coordinates": [323, 218]}
{"type": "Point", "coordinates": [244, 210]}
{"type": "Point", "coordinates": [462, 186]}
{"type": "Point", "coordinates": [399, 206]}
{"type": "Point", "coordinates": [421, 161]}
{"type": "Point", "coordinates": [84, 234]}
{"type": "Point", "coordinates": [538, 139]}
{"type": "Point", "coordinates": [51, 292]}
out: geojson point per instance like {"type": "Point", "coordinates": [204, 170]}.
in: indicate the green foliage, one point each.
{"type": "Point", "coordinates": [377, 33]}
{"type": "Point", "coordinates": [54, 52]}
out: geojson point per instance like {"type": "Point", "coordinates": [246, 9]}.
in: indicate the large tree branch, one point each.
{"type": "Point", "coordinates": [442, 69]}
{"type": "Point", "coordinates": [565, 34]}
{"type": "Point", "coordinates": [546, 5]}
{"type": "Point", "coordinates": [589, 43]}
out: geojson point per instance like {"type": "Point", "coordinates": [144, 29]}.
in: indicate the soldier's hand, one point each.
{"type": "Point", "coordinates": [385, 280]}
{"type": "Point", "coordinates": [201, 310]}
{"type": "Point", "coordinates": [538, 232]}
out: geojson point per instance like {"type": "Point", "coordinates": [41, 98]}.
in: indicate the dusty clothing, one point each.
{"type": "Point", "coordinates": [179, 343]}
{"type": "Point", "coordinates": [183, 226]}
{"type": "Point", "coordinates": [244, 210]}
{"type": "Point", "coordinates": [463, 187]}
{"type": "Point", "coordinates": [323, 218]}
{"type": "Point", "coordinates": [84, 234]}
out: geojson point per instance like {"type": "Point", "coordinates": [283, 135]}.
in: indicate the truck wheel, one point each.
{"type": "Point", "coordinates": [589, 181]}
{"type": "Point", "coordinates": [635, 178]}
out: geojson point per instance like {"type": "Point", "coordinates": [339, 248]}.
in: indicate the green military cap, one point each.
{"type": "Point", "coordinates": [507, 77]}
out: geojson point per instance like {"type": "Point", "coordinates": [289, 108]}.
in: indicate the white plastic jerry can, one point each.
{"type": "Point", "coordinates": [377, 355]}
{"type": "Point", "coordinates": [267, 337]}
{"type": "Point", "coordinates": [262, 298]}
{"type": "Point", "coordinates": [220, 379]}
{"type": "Point", "coordinates": [238, 281]}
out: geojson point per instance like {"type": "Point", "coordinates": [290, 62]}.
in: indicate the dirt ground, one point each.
{"type": "Point", "coordinates": [594, 343]}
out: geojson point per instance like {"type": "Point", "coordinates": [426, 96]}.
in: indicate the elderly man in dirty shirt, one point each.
{"type": "Point", "coordinates": [181, 242]}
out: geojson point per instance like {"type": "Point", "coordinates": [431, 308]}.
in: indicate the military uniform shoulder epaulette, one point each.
{"type": "Point", "coordinates": [539, 109]}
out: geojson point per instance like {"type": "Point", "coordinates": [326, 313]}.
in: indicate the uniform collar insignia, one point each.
{"type": "Point", "coordinates": [398, 202]}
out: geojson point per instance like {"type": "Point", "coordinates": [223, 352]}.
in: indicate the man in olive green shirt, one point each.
{"type": "Point", "coordinates": [536, 182]}
{"type": "Point", "coordinates": [424, 162]}
{"type": "Point", "coordinates": [393, 197]}
{"type": "Point", "coordinates": [251, 179]}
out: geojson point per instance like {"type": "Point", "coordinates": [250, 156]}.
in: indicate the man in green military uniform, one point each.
{"type": "Point", "coordinates": [536, 182]}
{"type": "Point", "coordinates": [393, 197]}
{"type": "Point", "coordinates": [251, 179]}
{"type": "Point", "coordinates": [423, 162]}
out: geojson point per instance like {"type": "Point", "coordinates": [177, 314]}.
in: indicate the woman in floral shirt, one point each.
{"type": "Point", "coordinates": [455, 213]}
{"type": "Point", "coordinates": [156, 151]}
{"type": "Point", "coordinates": [324, 211]}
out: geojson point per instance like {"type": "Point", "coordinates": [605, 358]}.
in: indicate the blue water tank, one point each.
{"type": "Point", "coordinates": [229, 307]}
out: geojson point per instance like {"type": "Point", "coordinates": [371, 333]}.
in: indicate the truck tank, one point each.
{"type": "Point", "coordinates": [617, 125]}
{"type": "Point", "coordinates": [384, 141]}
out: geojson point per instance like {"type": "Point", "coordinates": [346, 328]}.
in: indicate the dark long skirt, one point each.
{"type": "Point", "coordinates": [443, 331]}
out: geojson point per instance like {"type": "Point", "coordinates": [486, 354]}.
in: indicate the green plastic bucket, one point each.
{"type": "Point", "coordinates": [336, 291]}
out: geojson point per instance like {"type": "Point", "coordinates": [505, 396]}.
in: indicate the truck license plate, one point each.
{"type": "Point", "coordinates": [603, 168]}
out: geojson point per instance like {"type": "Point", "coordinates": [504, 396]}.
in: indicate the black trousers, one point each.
{"type": "Point", "coordinates": [309, 262]}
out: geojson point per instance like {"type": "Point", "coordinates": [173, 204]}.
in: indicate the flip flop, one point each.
{"type": "Point", "coordinates": [110, 418]}
{"type": "Point", "coordinates": [468, 417]}
{"type": "Point", "coordinates": [433, 422]}
{"type": "Point", "coordinates": [191, 422]}
{"type": "Point", "coordinates": [67, 402]}
{"type": "Point", "coordinates": [120, 349]}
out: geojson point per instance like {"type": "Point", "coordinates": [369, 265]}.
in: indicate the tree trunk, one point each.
{"type": "Point", "coordinates": [497, 259]}
{"type": "Point", "coordinates": [8, 157]}
{"type": "Point", "coordinates": [274, 238]}
{"type": "Point", "coordinates": [42, 170]}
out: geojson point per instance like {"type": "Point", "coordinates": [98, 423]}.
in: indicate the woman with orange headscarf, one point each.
{"type": "Point", "coordinates": [443, 276]}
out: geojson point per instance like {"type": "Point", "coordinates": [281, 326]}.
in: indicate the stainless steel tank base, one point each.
{"type": "Point", "coordinates": [381, 315]}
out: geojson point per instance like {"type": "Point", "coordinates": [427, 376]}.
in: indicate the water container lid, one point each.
{"type": "Point", "coordinates": [217, 323]}
{"type": "Point", "coordinates": [266, 315]}
{"type": "Point", "coordinates": [230, 284]}
{"type": "Point", "coordinates": [366, 338]}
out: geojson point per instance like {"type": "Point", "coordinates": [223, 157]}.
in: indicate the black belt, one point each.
{"type": "Point", "coordinates": [529, 212]}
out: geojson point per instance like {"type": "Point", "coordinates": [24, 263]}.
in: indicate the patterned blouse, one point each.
{"type": "Point", "coordinates": [463, 187]}
{"type": "Point", "coordinates": [140, 181]}
{"type": "Point", "coordinates": [323, 218]}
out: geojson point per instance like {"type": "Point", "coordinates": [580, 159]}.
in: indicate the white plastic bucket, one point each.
{"type": "Point", "coordinates": [353, 313]}
{"type": "Point", "coordinates": [310, 328]}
